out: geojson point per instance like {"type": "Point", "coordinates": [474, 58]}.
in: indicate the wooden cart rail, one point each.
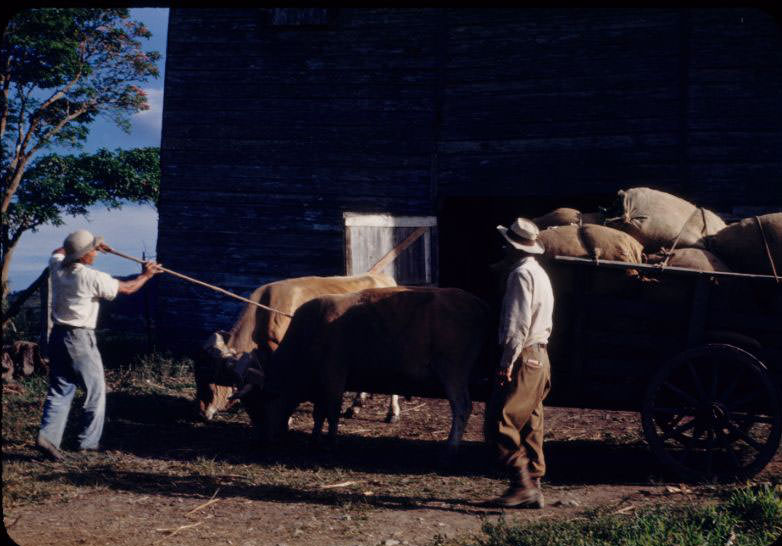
{"type": "Point", "coordinates": [611, 264]}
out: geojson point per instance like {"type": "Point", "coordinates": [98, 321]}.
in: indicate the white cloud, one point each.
{"type": "Point", "coordinates": [152, 119]}
{"type": "Point", "coordinates": [131, 230]}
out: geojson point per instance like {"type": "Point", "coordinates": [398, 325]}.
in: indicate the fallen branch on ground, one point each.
{"type": "Point", "coordinates": [341, 484]}
{"type": "Point", "coordinates": [175, 531]}
{"type": "Point", "coordinates": [212, 500]}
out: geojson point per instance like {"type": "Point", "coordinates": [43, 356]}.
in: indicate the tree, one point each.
{"type": "Point", "coordinates": [60, 69]}
{"type": "Point", "coordinates": [55, 185]}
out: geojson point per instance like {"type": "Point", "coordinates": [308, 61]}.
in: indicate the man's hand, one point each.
{"type": "Point", "coordinates": [152, 268]}
{"type": "Point", "coordinates": [505, 375]}
{"type": "Point", "coordinates": [103, 247]}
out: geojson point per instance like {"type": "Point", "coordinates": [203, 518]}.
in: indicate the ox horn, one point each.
{"type": "Point", "coordinates": [216, 347]}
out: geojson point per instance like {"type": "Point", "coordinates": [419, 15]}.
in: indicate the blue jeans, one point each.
{"type": "Point", "coordinates": [74, 360]}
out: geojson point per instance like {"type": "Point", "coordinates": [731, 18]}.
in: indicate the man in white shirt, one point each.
{"type": "Point", "coordinates": [74, 358]}
{"type": "Point", "coordinates": [524, 374]}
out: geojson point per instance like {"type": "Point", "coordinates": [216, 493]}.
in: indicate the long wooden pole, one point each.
{"type": "Point", "coordinates": [202, 283]}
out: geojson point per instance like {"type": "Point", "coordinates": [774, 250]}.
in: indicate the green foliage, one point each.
{"type": "Point", "coordinates": [749, 516]}
{"type": "Point", "coordinates": [89, 60]}
{"type": "Point", "coordinates": [60, 69]}
{"type": "Point", "coordinates": [69, 184]}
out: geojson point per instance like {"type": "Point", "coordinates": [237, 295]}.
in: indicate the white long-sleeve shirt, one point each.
{"type": "Point", "coordinates": [527, 310]}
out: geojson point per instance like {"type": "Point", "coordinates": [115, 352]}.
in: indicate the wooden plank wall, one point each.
{"type": "Point", "coordinates": [271, 132]}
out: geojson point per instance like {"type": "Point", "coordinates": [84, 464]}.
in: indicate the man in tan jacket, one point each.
{"type": "Point", "coordinates": [524, 374]}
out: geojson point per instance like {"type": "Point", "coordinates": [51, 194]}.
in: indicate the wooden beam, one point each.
{"type": "Point", "coordinates": [397, 250]}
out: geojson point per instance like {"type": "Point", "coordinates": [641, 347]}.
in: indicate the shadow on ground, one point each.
{"type": "Point", "coordinates": [164, 427]}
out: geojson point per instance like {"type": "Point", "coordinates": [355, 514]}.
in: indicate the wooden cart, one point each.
{"type": "Point", "coordinates": [698, 354]}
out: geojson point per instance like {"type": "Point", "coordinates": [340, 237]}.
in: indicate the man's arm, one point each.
{"type": "Point", "coordinates": [516, 321]}
{"type": "Point", "coordinates": [151, 269]}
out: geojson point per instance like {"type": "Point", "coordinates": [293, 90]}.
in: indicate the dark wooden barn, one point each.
{"type": "Point", "coordinates": [278, 122]}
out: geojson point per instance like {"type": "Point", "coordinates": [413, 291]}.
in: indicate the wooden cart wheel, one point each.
{"type": "Point", "coordinates": [713, 413]}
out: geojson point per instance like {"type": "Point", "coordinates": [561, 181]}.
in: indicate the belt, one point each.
{"type": "Point", "coordinates": [69, 327]}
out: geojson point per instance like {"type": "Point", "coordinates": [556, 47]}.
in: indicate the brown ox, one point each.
{"type": "Point", "coordinates": [406, 340]}
{"type": "Point", "coordinates": [259, 332]}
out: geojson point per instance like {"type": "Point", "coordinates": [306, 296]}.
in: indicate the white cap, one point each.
{"type": "Point", "coordinates": [79, 243]}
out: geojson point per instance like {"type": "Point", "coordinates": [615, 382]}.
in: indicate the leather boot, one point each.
{"type": "Point", "coordinates": [522, 492]}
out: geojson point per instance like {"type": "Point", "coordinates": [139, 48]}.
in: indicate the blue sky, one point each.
{"type": "Point", "coordinates": [131, 229]}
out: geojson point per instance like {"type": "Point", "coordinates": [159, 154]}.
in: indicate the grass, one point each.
{"type": "Point", "coordinates": [749, 516]}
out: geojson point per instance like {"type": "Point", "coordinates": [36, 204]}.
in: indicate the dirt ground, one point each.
{"type": "Point", "coordinates": [167, 479]}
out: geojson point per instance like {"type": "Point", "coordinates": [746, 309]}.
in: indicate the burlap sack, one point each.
{"type": "Point", "coordinates": [566, 216]}
{"type": "Point", "coordinates": [656, 218]}
{"type": "Point", "coordinates": [584, 241]}
{"type": "Point", "coordinates": [581, 242]}
{"type": "Point", "coordinates": [558, 217]}
{"type": "Point", "coordinates": [741, 244]}
{"type": "Point", "coordinates": [692, 258]}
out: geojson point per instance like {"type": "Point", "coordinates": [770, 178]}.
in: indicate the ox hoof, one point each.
{"type": "Point", "coordinates": [391, 418]}
{"type": "Point", "coordinates": [350, 413]}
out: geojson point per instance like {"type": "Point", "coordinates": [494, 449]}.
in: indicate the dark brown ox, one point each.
{"type": "Point", "coordinates": [259, 332]}
{"type": "Point", "coordinates": [415, 341]}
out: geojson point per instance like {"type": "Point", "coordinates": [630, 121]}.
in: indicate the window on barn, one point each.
{"type": "Point", "coordinates": [300, 16]}
{"type": "Point", "coordinates": [370, 237]}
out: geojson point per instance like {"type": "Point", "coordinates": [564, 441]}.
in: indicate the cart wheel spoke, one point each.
{"type": "Point", "coordinates": [742, 402]}
{"type": "Point", "coordinates": [681, 393]}
{"type": "Point", "coordinates": [751, 418]}
{"type": "Point", "coordinates": [709, 451]}
{"type": "Point", "coordinates": [728, 392]}
{"type": "Point", "coordinates": [678, 430]}
{"type": "Point", "coordinates": [697, 381]}
{"type": "Point", "coordinates": [726, 446]}
{"type": "Point", "coordinates": [683, 411]}
{"type": "Point", "coordinates": [744, 436]}
{"type": "Point", "coordinates": [715, 379]}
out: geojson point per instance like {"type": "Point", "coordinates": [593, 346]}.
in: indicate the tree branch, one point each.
{"type": "Point", "coordinates": [16, 306]}
{"type": "Point", "coordinates": [6, 87]}
{"type": "Point", "coordinates": [17, 177]}
{"type": "Point", "coordinates": [57, 128]}
{"type": "Point", "coordinates": [35, 119]}
{"type": "Point", "coordinates": [57, 95]}
{"type": "Point", "coordinates": [20, 124]}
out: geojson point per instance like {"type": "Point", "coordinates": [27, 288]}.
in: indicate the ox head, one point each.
{"type": "Point", "coordinates": [219, 370]}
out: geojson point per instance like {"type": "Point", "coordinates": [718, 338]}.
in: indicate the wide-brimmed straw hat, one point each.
{"type": "Point", "coordinates": [79, 243]}
{"type": "Point", "coordinates": [522, 235]}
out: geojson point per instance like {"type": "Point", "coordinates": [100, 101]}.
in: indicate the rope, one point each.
{"type": "Point", "coordinates": [202, 283]}
{"type": "Point", "coordinates": [669, 253]}
{"type": "Point", "coordinates": [768, 249]}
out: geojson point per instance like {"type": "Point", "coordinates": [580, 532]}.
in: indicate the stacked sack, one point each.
{"type": "Point", "coordinates": [569, 232]}
{"type": "Point", "coordinates": [656, 222]}
{"type": "Point", "coordinates": [657, 219]}
{"type": "Point", "coordinates": [746, 245]}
